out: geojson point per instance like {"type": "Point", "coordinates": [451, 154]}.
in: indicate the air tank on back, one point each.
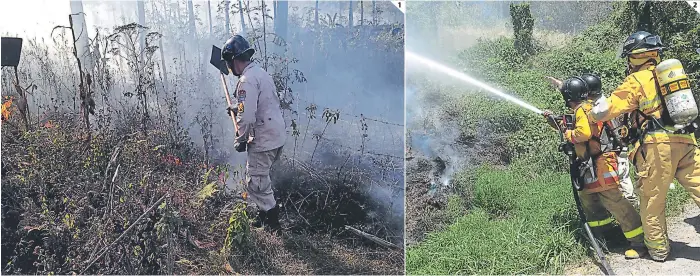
{"type": "Point", "coordinates": [675, 88]}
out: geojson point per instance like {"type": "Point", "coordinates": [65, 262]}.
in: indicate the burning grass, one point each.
{"type": "Point", "coordinates": [71, 206]}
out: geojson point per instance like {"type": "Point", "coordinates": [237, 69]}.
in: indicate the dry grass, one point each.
{"type": "Point", "coordinates": [63, 200]}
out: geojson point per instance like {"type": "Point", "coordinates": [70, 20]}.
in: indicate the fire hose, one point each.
{"type": "Point", "coordinates": [568, 148]}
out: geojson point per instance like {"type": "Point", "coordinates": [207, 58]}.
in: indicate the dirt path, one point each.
{"type": "Point", "coordinates": [684, 233]}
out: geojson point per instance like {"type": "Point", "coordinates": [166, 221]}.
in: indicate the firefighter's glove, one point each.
{"type": "Point", "coordinates": [556, 83]}
{"type": "Point", "coordinates": [567, 148]}
{"type": "Point", "coordinates": [230, 109]}
{"type": "Point", "coordinates": [240, 147]}
{"type": "Point", "coordinates": [547, 113]}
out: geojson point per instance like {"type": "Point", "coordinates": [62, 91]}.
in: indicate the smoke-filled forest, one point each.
{"type": "Point", "coordinates": [487, 191]}
{"type": "Point", "coordinates": [117, 151]}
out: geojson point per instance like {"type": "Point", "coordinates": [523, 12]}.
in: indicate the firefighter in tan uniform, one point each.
{"type": "Point", "coordinates": [595, 87]}
{"type": "Point", "coordinates": [261, 127]}
{"type": "Point", "coordinates": [601, 196]}
{"type": "Point", "coordinates": [666, 145]}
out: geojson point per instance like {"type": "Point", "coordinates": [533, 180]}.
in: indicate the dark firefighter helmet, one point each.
{"type": "Point", "coordinates": [641, 42]}
{"type": "Point", "coordinates": [236, 46]}
{"type": "Point", "coordinates": [574, 89]}
{"type": "Point", "coordinates": [594, 84]}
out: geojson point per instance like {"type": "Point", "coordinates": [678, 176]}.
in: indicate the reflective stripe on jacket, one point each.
{"type": "Point", "coordinates": [638, 92]}
{"type": "Point", "coordinates": [586, 131]}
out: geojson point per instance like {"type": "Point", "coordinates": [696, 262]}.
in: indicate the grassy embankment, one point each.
{"type": "Point", "coordinates": [522, 218]}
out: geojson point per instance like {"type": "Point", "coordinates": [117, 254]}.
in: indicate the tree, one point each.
{"type": "Point", "coordinates": [209, 12]}
{"type": "Point", "coordinates": [522, 27]}
{"type": "Point", "coordinates": [362, 12]}
{"type": "Point", "coordinates": [191, 19]}
{"type": "Point", "coordinates": [240, 12]}
{"type": "Point", "coordinates": [80, 31]}
{"type": "Point", "coordinates": [316, 14]}
{"type": "Point", "coordinates": [281, 18]}
{"type": "Point", "coordinates": [374, 12]}
{"type": "Point", "coordinates": [228, 22]}
{"type": "Point", "coordinates": [350, 15]}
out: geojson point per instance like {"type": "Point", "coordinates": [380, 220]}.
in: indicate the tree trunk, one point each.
{"type": "Point", "coordinates": [350, 21]}
{"type": "Point", "coordinates": [209, 12]}
{"type": "Point", "coordinates": [281, 17]}
{"type": "Point", "coordinates": [226, 18]}
{"type": "Point", "coordinates": [162, 62]}
{"type": "Point", "coordinates": [192, 20]}
{"type": "Point", "coordinates": [177, 11]}
{"type": "Point", "coordinates": [316, 14]}
{"type": "Point", "coordinates": [362, 13]}
{"type": "Point", "coordinates": [141, 13]}
{"type": "Point", "coordinates": [240, 12]}
{"type": "Point", "coordinates": [80, 31]}
{"type": "Point", "coordinates": [374, 12]}
{"type": "Point", "coordinates": [82, 91]}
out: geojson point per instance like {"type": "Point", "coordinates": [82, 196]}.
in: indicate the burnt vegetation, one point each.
{"type": "Point", "coordinates": [125, 164]}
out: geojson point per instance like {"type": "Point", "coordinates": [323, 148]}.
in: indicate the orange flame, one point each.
{"type": "Point", "coordinates": [171, 159]}
{"type": "Point", "coordinates": [6, 109]}
{"type": "Point", "coordinates": [49, 124]}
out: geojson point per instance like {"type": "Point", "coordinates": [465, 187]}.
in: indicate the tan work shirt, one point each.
{"type": "Point", "coordinates": [259, 118]}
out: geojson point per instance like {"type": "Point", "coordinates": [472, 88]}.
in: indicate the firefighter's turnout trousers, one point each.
{"type": "Point", "coordinates": [657, 165]}
{"type": "Point", "coordinates": [602, 198]}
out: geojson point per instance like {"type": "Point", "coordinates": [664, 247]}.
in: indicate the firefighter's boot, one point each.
{"type": "Point", "coordinates": [636, 251]}
{"type": "Point", "coordinates": [273, 219]}
{"type": "Point", "coordinates": [260, 220]}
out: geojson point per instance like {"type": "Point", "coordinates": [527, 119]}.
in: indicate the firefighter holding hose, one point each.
{"type": "Point", "coordinates": [666, 144]}
{"type": "Point", "coordinates": [595, 87]}
{"type": "Point", "coordinates": [601, 195]}
{"type": "Point", "coordinates": [261, 127]}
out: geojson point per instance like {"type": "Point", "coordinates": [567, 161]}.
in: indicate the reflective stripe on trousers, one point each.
{"type": "Point", "coordinates": [634, 233]}
{"type": "Point", "coordinates": [598, 223]}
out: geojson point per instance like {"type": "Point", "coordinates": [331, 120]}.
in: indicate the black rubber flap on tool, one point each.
{"type": "Point", "coordinates": [217, 61]}
{"type": "Point", "coordinates": [11, 50]}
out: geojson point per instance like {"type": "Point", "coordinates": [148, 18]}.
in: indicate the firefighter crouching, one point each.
{"type": "Point", "coordinates": [261, 127]}
{"type": "Point", "coordinates": [667, 147]}
{"type": "Point", "coordinates": [601, 195]}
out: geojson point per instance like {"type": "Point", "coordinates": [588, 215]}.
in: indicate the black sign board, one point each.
{"type": "Point", "coordinates": [10, 50]}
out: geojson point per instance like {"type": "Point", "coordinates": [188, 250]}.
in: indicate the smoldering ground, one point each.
{"type": "Point", "coordinates": [357, 72]}
{"type": "Point", "coordinates": [439, 148]}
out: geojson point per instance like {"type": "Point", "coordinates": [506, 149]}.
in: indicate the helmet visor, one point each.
{"type": "Point", "coordinates": [653, 40]}
{"type": "Point", "coordinates": [649, 43]}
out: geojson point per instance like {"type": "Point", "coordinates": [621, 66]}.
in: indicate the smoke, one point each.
{"type": "Point", "coordinates": [435, 136]}
{"type": "Point", "coordinates": [356, 72]}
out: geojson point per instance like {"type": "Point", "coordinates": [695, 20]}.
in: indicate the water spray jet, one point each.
{"type": "Point", "coordinates": [461, 76]}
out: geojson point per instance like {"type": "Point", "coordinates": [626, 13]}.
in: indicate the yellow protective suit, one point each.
{"type": "Point", "coordinates": [660, 157]}
{"type": "Point", "coordinates": [601, 195]}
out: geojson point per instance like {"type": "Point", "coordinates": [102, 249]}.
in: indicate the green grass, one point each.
{"type": "Point", "coordinates": [519, 223]}
{"type": "Point", "coordinates": [522, 220]}
{"type": "Point", "coordinates": [677, 198]}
